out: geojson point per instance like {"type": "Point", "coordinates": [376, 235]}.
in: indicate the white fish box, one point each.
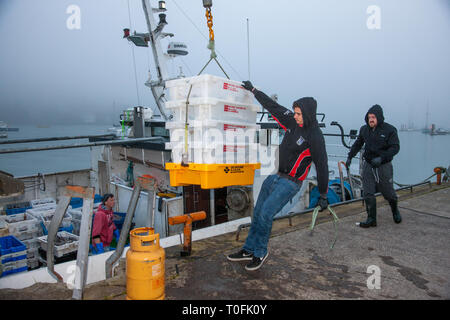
{"type": "Point", "coordinates": [209, 132]}
{"type": "Point", "coordinates": [209, 86]}
{"type": "Point", "coordinates": [213, 109]}
{"type": "Point", "coordinates": [46, 217]}
{"type": "Point", "coordinates": [27, 235]}
{"type": "Point", "coordinates": [65, 243]}
{"type": "Point", "coordinates": [39, 212]}
{"type": "Point", "coordinates": [75, 213]}
{"type": "Point", "coordinates": [13, 217]}
{"type": "Point", "coordinates": [215, 154]}
{"type": "Point", "coordinates": [22, 223]}
{"type": "Point", "coordinates": [46, 206]}
{"type": "Point", "coordinates": [41, 202]}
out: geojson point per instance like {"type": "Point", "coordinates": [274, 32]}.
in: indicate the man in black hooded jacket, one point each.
{"type": "Point", "coordinates": [381, 145]}
{"type": "Point", "coordinates": [303, 143]}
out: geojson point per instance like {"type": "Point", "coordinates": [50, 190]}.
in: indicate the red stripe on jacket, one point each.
{"type": "Point", "coordinates": [279, 123]}
{"type": "Point", "coordinates": [303, 177]}
{"type": "Point", "coordinates": [303, 155]}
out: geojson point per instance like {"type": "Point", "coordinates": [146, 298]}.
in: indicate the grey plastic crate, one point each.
{"type": "Point", "coordinates": [32, 253]}
{"type": "Point", "coordinates": [32, 243]}
{"type": "Point", "coordinates": [27, 235]}
{"type": "Point", "coordinates": [76, 226]}
{"type": "Point", "coordinates": [33, 263]}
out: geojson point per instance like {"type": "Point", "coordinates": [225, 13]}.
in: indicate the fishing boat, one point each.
{"type": "Point", "coordinates": [438, 131]}
{"type": "Point", "coordinates": [140, 145]}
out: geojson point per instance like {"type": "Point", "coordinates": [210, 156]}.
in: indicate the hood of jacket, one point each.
{"type": "Point", "coordinates": [308, 106]}
{"type": "Point", "coordinates": [103, 208]}
{"type": "Point", "coordinates": [378, 112]}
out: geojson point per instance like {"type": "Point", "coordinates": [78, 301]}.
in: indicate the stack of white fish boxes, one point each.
{"type": "Point", "coordinates": [26, 228]}
{"type": "Point", "coordinates": [40, 207]}
{"type": "Point", "coordinates": [221, 121]}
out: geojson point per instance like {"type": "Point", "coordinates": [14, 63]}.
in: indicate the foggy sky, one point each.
{"type": "Point", "coordinates": [50, 74]}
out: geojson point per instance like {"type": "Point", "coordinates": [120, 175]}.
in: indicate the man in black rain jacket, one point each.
{"type": "Point", "coordinates": [303, 143]}
{"type": "Point", "coordinates": [381, 145]}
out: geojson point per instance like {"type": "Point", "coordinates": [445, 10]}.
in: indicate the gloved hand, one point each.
{"type": "Point", "coordinates": [323, 202]}
{"type": "Point", "coordinates": [348, 162]}
{"type": "Point", "coordinates": [376, 162]}
{"type": "Point", "coordinates": [116, 234]}
{"type": "Point", "coordinates": [247, 85]}
{"type": "Point", "coordinates": [99, 247]}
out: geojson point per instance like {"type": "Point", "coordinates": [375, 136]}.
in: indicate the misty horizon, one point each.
{"type": "Point", "coordinates": [50, 74]}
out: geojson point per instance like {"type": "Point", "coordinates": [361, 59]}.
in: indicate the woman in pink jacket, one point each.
{"type": "Point", "coordinates": [104, 228]}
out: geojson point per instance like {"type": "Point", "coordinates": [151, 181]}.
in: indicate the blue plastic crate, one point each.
{"type": "Point", "coordinates": [10, 244]}
{"type": "Point", "coordinates": [119, 221]}
{"type": "Point", "coordinates": [68, 229]}
{"type": "Point", "coordinates": [16, 210]}
{"type": "Point", "coordinates": [78, 202]}
{"type": "Point", "coordinates": [23, 255]}
{"type": "Point", "coordinates": [18, 205]}
{"type": "Point", "coordinates": [45, 231]}
{"type": "Point", "coordinates": [21, 269]}
{"type": "Point", "coordinates": [122, 216]}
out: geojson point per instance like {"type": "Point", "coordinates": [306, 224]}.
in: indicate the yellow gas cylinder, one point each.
{"type": "Point", "coordinates": [145, 266]}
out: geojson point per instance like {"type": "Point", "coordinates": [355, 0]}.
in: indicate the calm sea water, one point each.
{"type": "Point", "coordinates": [31, 163]}
{"type": "Point", "coordinates": [419, 153]}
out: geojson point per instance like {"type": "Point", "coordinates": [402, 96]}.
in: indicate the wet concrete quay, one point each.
{"type": "Point", "coordinates": [409, 260]}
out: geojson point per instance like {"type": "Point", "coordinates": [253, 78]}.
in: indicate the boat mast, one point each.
{"type": "Point", "coordinates": [157, 86]}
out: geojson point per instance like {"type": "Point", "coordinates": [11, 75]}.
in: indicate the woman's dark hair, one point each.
{"type": "Point", "coordinates": [106, 197]}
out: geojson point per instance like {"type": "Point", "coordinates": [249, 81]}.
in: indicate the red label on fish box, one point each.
{"type": "Point", "coordinates": [231, 87]}
{"type": "Point", "coordinates": [232, 127]}
{"type": "Point", "coordinates": [234, 109]}
{"type": "Point", "coordinates": [232, 148]}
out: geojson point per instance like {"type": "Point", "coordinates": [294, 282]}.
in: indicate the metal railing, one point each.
{"type": "Point", "coordinates": [293, 214]}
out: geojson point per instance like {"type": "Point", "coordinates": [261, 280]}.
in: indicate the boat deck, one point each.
{"type": "Point", "coordinates": [412, 257]}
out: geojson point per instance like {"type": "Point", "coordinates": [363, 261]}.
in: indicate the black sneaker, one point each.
{"type": "Point", "coordinates": [256, 263]}
{"type": "Point", "coordinates": [241, 255]}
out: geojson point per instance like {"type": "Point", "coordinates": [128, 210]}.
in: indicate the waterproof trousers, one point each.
{"type": "Point", "coordinates": [378, 179]}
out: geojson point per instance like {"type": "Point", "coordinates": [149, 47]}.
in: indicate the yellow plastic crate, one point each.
{"type": "Point", "coordinates": [212, 176]}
